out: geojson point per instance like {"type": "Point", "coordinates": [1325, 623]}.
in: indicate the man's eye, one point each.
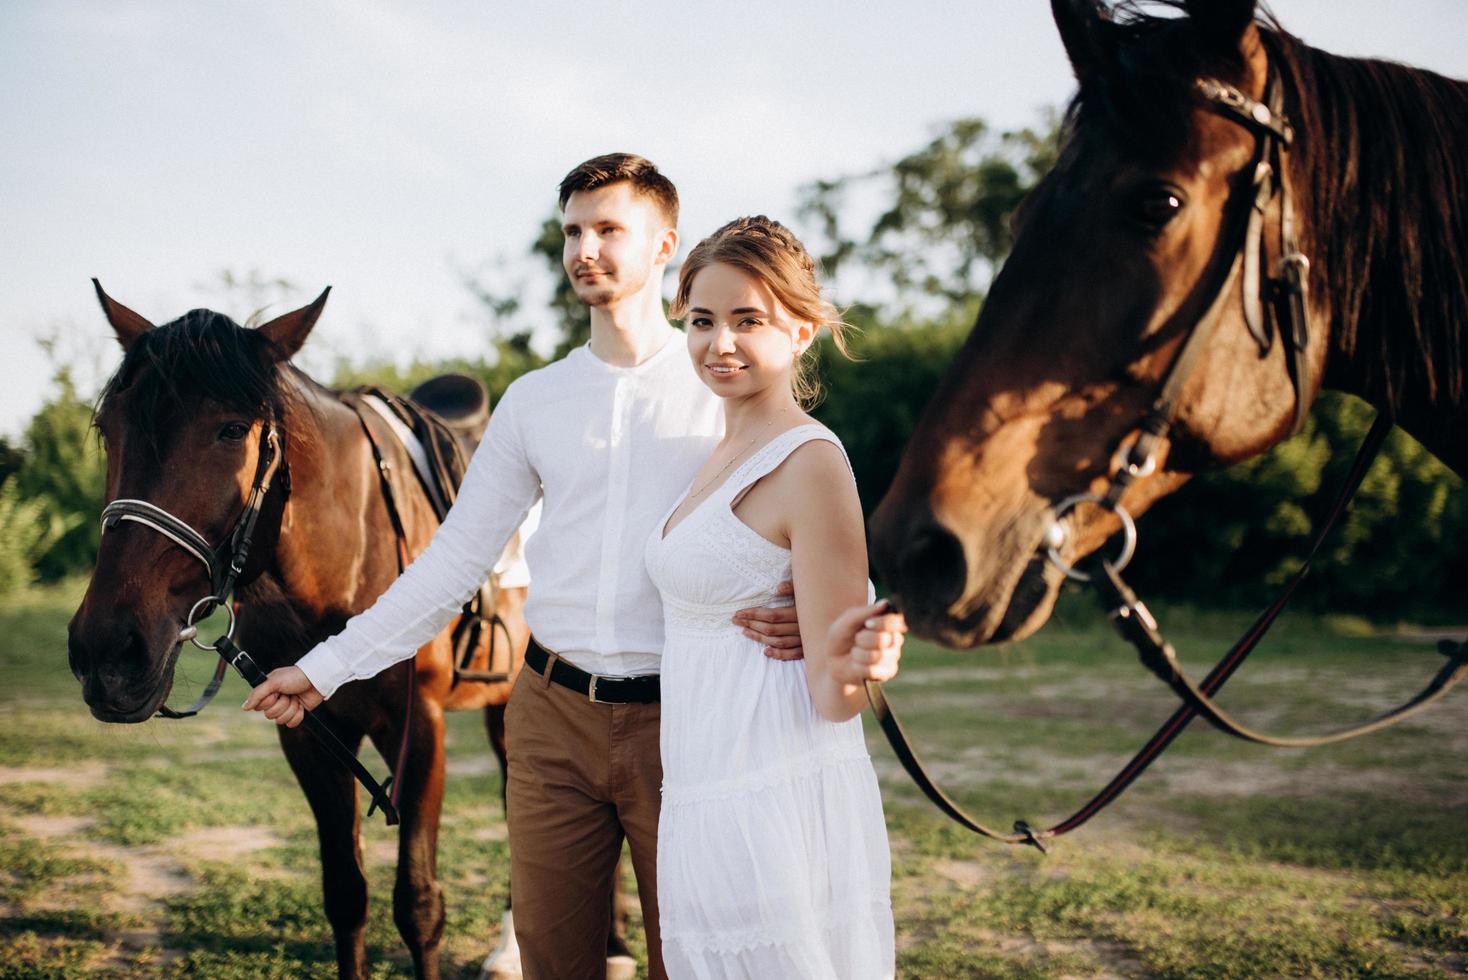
{"type": "Point", "coordinates": [234, 432]}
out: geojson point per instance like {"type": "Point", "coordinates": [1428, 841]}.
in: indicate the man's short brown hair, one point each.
{"type": "Point", "coordinates": [613, 168]}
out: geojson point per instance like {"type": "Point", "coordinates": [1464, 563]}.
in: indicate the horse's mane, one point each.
{"type": "Point", "coordinates": [202, 354]}
{"type": "Point", "coordinates": [1382, 149]}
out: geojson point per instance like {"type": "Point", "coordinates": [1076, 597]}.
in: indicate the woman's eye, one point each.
{"type": "Point", "coordinates": [1154, 207]}
{"type": "Point", "coordinates": [234, 432]}
{"type": "Point", "coordinates": [701, 322]}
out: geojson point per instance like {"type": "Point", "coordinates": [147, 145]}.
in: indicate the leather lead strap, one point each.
{"type": "Point", "coordinates": [1138, 628]}
{"type": "Point", "coordinates": [251, 672]}
{"type": "Point", "coordinates": [202, 701]}
{"type": "Point", "coordinates": [1155, 652]}
{"type": "Point", "coordinates": [907, 755]}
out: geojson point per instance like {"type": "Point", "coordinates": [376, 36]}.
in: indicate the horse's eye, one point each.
{"type": "Point", "coordinates": [234, 432]}
{"type": "Point", "coordinates": [1154, 207]}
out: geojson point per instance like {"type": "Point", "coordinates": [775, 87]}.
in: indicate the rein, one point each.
{"type": "Point", "coordinates": [1284, 297]}
{"type": "Point", "coordinates": [225, 564]}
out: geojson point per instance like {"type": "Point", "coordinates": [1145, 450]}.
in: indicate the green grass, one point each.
{"type": "Point", "coordinates": [1224, 860]}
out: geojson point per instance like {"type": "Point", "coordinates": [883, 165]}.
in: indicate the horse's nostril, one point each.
{"type": "Point", "coordinates": [933, 566]}
{"type": "Point", "coordinates": [112, 654]}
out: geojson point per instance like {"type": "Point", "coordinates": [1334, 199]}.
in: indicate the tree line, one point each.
{"type": "Point", "coordinates": [924, 257]}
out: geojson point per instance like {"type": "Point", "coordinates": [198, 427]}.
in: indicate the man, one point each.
{"type": "Point", "coordinates": [610, 437]}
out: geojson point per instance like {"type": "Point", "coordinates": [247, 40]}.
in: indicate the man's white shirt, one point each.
{"type": "Point", "coordinates": [609, 449]}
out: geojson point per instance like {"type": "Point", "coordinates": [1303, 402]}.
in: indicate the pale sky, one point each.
{"type": "Point", "coordinates": [379, 147]}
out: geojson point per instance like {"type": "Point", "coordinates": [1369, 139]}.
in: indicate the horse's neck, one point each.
{"type": "Point", "coordinates": [1389, 233]}
{"type": "Point", "coordinates": [331, 557]}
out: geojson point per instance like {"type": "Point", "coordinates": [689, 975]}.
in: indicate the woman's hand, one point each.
{"type": "Point", "coordinates": [285, 696]}
{"type": "Point", "coordinates": [865, 644]}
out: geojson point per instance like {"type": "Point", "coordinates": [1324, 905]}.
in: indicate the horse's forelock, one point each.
{"type": "Point", "coordinates": [1143, 96]}
{"type": "Point", "coordinates": [202, 355]}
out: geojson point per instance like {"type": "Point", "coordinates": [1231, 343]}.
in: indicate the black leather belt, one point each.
{"type": "Point", "coordinates": [597, 688]}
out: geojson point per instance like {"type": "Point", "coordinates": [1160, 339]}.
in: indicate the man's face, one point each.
{"type": "Point", "coordinates": [615, 238]}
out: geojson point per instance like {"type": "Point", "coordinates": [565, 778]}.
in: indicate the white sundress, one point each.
{"type": "Point", "coordinates": [773, 859]}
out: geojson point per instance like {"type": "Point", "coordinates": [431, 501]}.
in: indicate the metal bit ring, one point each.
{"type": "Point", "coordinates": [1057, 535]}
{"type": "Point", "coordinates": [190, 631]}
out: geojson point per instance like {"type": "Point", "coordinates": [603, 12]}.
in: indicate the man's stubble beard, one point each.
{"type": "Point", "coordinates": [604, 296]}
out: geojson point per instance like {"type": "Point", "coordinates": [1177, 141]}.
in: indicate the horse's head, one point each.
{"type": "Point", "coordinates": [182, 421]}
{"type": "Point", "coordinates": [1118, 253]}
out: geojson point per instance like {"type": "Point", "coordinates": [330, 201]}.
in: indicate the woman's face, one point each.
{"type": "Point", "coordinates": [741, 340]}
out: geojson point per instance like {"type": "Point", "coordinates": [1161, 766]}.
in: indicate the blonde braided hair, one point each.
{"type": "Point", "coordinates": [767, 250]}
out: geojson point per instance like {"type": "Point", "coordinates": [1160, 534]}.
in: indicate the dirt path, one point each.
{"type": "Point", "coordinates": [152, 874]}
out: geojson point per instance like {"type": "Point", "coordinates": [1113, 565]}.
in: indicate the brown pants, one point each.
{"type": "Point", "coordinates": [582, 776]}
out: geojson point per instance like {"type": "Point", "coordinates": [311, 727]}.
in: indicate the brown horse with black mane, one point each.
{"type": "Point", "coordinates": [1119, 256]}
{"type": "Point", "coordinates": [183, 421]}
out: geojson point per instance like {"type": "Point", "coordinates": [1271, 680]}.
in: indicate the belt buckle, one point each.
{"type": "Point", "coordinates": [591, 691]}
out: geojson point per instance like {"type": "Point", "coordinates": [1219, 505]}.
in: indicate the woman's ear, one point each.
{"type": "Point", "coordinates": [804, 336]}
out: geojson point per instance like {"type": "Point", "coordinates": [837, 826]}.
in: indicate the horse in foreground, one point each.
{"type": "Point", "coordinates": [1235, 221]}
{"type": "Point", "coordinates": [204, 422]}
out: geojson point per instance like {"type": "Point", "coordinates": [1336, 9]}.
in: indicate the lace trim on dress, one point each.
{"type": "Point", "coordinates": [727, 532]}
{"type": "Point", "coordinates": [785, 771]}
{"type": "Point", "coordinates": [701, 617]}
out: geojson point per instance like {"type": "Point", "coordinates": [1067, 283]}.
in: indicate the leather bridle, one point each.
{"type": "Point", "coordinates": [224, 564]}
{"type": "Point", "coordinates": [1281, 296]}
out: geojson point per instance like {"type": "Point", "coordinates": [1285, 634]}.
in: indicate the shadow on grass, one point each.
{"type": "Point", "coordinates": [63, 923]}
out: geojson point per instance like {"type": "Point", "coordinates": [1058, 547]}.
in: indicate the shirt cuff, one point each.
{"type": "Point", "coordinates": [325, 670]}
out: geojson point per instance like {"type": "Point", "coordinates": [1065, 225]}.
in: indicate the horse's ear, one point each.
{"type": "Point", "coordinates": [1220, 24]}
{"type": "Point", "coordinates": [1084, 26]}
{"type": "Point", "coordinates": [287, 332]}
{"type": "Point", "coordinates": [128, 325]}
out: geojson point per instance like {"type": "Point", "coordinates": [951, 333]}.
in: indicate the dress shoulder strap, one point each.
{"type": "Point", "coordinates": [776, 451]}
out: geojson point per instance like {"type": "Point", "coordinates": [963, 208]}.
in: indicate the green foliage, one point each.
{"type": "Point", "coordinates": [61, 480]}
{"type": "Point", "coordinates": [1237, 534]}
{"type": "Point", "coordinates": [11, 459]}
{"type": "Point", "coordinates": [947, 228]}
{"type": "Point", "coordinates": [873, 400]}
{"type": "Point", "coordinates": [28, 527]}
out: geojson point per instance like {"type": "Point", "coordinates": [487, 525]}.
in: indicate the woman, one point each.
{"type": "Point", "coordinates": [772, 850]}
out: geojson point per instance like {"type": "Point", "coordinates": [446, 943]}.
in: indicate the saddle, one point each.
{"type": "Point", "coordinates": [440, 425]}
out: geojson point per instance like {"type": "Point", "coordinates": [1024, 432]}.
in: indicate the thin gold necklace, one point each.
{"type": "Point", "coordinates": [723, 469]}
